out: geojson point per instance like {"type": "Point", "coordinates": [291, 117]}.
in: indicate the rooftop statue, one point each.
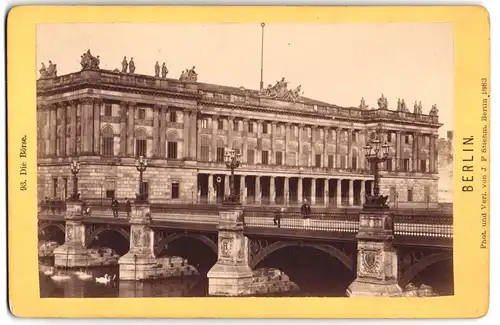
{"type": "Point", "coordinates": [382, 102]}
{"type": "Point", "coordinates": [49, 72]}
{"type": "Point", "coordinates": [362, 104]}
{"type": "Point", "coordinates": [189, 75]}
{"type": "Point", "coordinates": [280, 91]}
{"type": "Point", "coordinates": [157, 69]}
{"type": "Point", "coordinates": [404, 108]}
{"type": "Point", "coordinates": [434, 111]}
{"type": "Point", "coordinates": [164, 70]}
{"type": "Point", "coordinates": [124, 65]}
{"type": "Point", "coordinates": [399, 105]}
{"type": "Point", "coordinates": [88, 61]}
{"type": "Point", "coordinates": [43, 71]}
{"type": "Point", "coordinates": [417, 108]}
{"type": "Point", "coordinates": [131, 66]}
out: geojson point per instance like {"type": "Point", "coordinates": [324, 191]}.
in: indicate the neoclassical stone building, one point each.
{"type": "Point", "coordinates": [292, 147]}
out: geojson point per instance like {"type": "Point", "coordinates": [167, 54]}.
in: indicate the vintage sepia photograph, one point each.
{"type": "Point", "coordinates": [245, 159]}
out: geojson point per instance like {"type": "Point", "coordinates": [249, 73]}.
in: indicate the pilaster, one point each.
{"type": "Point", "coordinates": [131, 128]}
{"type": "Point", "coordinates": [123, 128]}
{"type": "Point", "coordinates": [300, 196]}
{"type": "Point", "coordinates": [313, 191]}
{"type": "Point", "coordinates": [156, 130]}
{"type": "Point", "coordinates": [185, 138]}
{"type": "Point", "coordinates": [53, 129]}
{"type": "Point", "coordinates": [338, 197]}
{"type": "Point", "coordinates": [193, 142]}
{"type": "Point", "coordinates": [96, 139]}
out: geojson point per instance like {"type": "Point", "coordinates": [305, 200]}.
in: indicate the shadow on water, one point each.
{"type": "Point", "coordinates": [316, 273]}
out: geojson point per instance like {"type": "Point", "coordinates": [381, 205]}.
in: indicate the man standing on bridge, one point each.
{"type": "Point", "coordinates": [278, 216]}
{"type": "Point", "coordinates": [114, 207]}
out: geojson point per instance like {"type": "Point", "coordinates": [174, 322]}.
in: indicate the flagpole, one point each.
{"type": "Point", "coordinates": [262, 58]}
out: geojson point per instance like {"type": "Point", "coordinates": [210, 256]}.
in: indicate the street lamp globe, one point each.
{"type": "Point", "coordinates": [368, 150]}
{"type": "Point", "coordinates": [385, 149]}
{"type": "Point", "coordinates": [375, 156]}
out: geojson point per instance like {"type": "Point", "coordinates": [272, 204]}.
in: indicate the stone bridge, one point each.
{"type": "Point", "coordinates": [413, 241]}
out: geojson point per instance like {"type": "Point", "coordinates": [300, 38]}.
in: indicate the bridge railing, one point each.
{"type": "Point", "coordinates": [423, 225]}
{"type": "Point", "coordinates": [315, 221]}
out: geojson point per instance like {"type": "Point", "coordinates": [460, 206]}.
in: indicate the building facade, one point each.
{"type": "Point", "coordinates": [292, 148]}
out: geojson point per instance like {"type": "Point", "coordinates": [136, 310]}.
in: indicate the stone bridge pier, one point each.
{"type": "Point", "coordinates": [73, 252]}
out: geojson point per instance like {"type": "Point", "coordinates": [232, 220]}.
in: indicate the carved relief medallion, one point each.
{"type": "Point", "coordinates": [136, 237]}
{"type": "Point", "coordinates": [370, 263]}
{"type": "Point", "coordinates": [226, 247]}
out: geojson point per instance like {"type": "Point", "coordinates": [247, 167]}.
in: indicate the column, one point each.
{"type": "Point", "coordinates": [327, 192]}
{"type": "Point", "coordinates": [361, 152]}
{"type": "Point", "coordinates": [97, 126]}
{"type": "Point", "coordinates": [53, 129]}
{"type": "Point", "coordinates": [351, 192]}
{"type": "Point", "coordinates": [414, 157]}
{"type": "Point", "coordinates": [374, 241]}
{"type": "Point", "coordinates": [398, 151]}
{"type": "Point", "coordinates": [230, 135]}
{"type": "Point", "coordinates": [338, 197]}
{"type": "Point", "coordinates": [214, 137]}
{"type": "Point", "coordinates": [286, 190]}
{"type": "Point", "coordinates": [123, 128]}
{"type": "Point", "coordinates": [433, 152]}
{"type": "Point", "coordinates": [73, 252]}
{"type": "Point", "coordinates": [226, 185]}
{"type": "Point", "coordinates": [313, 191]}
{"type": "Point", "coordinates": [74, 127]}
{"type": "Point", "coordinates": [244, 154]}
{"type": "Point", "coordinates": [243, 190]}
{"type": "Point", "coordinates": [193, 143]}
{"type": "Point", "coordinates": [312, 156]}
{"type": "Point", "coordinates": [139, 262]}
{"type": "Point", "coordinates": [273, 143]}
{"type": "Point", "coordinates": [186, 141]}
{"type": "Point", "coordinates": [259, 147]}
{"type": "Point", "coordinates": [337, 151]}
{"type": "Point", "coordinates": [272, 190]}
{"type": "Point", "coordinates": [130, 128]}
{"type": "Point", "coordinates": [198, 140]}
{"type": "Point", "coordinates": [326, 132]}
{"type": "Point", "coordinates": [64, 122]}
{"type": "Point", "coordinates": [231, 275]}
{"type": "Point", "coordinates": [349, 148]}
{"type": "Point", "coordinates": [362, 192]}
{"type": "Point", "coordinates": [299, 190]}
{"type": "Point", "coordinates": [299, 145]}
{"type": "Point", "coordinates": [211, 189]}
{"type": "Point", "coordinates": [163, 131]}
{"type": "Point", "coordinates": [156, 130]}
{"type": "Point", "coordinates": [287, 139]}
{"type": "Point", "coordinates": [257, 190]}
{"type": "Point", "coordinates": [87, 125]}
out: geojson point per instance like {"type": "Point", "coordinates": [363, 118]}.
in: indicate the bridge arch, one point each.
{"type": "Point", "coordinates": [45, 227]}
{"type": "Point", "coordinates": [329, 249]}
{"type": "Point", "coordinates": [42, 227]}
{"type": "Point", "coordinates": [94, 234]}
{"type": "Point", "coordinates": [424, 263]}
{"type": "Point", "coordinates": [170, 238]}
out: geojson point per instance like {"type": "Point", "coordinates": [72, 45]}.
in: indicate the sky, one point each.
{"type": "Point", "coordinates": [337, 63]}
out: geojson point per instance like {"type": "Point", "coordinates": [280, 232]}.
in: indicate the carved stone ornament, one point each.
{"type": "Point", "coordinates": [136, 237]}
{"type": "Point", "coordinates": [280, 91]}
{"type": "Point", "coordinates": [226, 247]}
{"type": "Point", "coordinates": [189, 75]}
{"type": "Point", "coordinates": [370, 263]}
{"type": "Point", "coordinates": [382, 102]}
{"type": "Point", "coordinates": [434, 110]}
{"type": "Point", "coordinates": [50, 72]}
{"type": "Point", "coordinates": [89, 62]}
{"type": "Point", "coordinates": [69, 232]}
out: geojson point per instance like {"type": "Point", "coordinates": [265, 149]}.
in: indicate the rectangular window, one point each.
{"type": "Point", "coordinates": [330, 161]}
{"type": "Point", "coordinates": [108, 110]}
{"type": "Point", "coordinates": [393, 194]}
{"type": "Point", "coordinates": [220, 155]}
{"type": "Point", "coordinates": [407, 139]}
{"type": "Point", "coordinates": [236, 126]}
{"type": "Point", "coordinates": [343, 159]}
{"type": "Point", "coordinates": [265, 157]}
{"type": "Point", "coordinates": [317, 160]}
{"type": "Point", "coordinates": [145, 189]}
{"type": "Point", "coordinates": [354, 162]}
{"type": "Point", "coordinates": [107, 147]}
{"type": "Point", "coordinates": [175, 190]}
{"type": "Point", "coordinates": [389, 137]}
{"type": "Point", "coordinates": [220, 124]}
{"type": "Point", "coordinates": [54, 187]}
{"type": "Point", "coordinates": [264, 128]}
{"type": "Point", "coordinates": [279, 158]}
{"type": "Point", "coordinates": [140, 147]}
{"type": "Point", "coordinates": [65, 182]}
{"type": "Point", "coordinates": [406, 164]}
{"type": "Point", "coordinates": [410, 195]}
{"type": "Point", "coordinates": [250, 127]}
{"type": "Point", "coordinates": [250, 157]}
{"type": "Point", "coordinates": [205, 153]}
{"type": "Point", "coordinates": [389, 165]}
{"type": "Point", "coordinates": [142, 113]}
{"type": "Point", "coordinates": [204, 123]}
{"type": "Point", "coordinates": [423, 165]}
{"type": "Point", "coordinates": [110, 194]}
{"type": "Point", "coordinates": [173, 117]}
{"type": "Point", "coordinates": [172, 150]}
{"type": "Point", "coordinates": [353, 136]}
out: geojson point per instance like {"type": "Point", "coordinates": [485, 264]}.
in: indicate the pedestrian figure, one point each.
{"type": "Point", "coordinates": [129, 207]}
{"type": "Point", "coordinates": [277, 217]}
{"type": "Point", "coordinates": [114, 207]}
{"type": "Point", "coordinates": [305, 210]}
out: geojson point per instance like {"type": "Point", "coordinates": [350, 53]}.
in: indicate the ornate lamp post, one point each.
{"type": "Point", "coordinates": [375, 156]}
{"type": "Point", "coordinates": [75, 169]}
{"type": "Point", "coordinates": [141, 164]}
{"type": "Point", "coordinates": [232, 160]}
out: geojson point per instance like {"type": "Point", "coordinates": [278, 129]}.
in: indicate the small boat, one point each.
{"type": "Point", "coordinates": [105, 279]}
{"type": "Point", "coordinates": [60, 277]}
